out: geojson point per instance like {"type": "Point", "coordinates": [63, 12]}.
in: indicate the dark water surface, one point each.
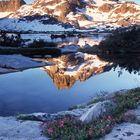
{"type": "Point", "coordinates": [34, 91]}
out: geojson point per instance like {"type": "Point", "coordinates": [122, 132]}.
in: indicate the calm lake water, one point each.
{"type": "Point", "coordinates": [92, 39]}
{"type": "Point", "coordinates": [34, 91]}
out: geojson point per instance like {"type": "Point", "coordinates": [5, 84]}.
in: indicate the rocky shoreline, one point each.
{"type": "Point", "coordinates": [32, 126]}
{"type": "Point", "coordinates": [114, 116]}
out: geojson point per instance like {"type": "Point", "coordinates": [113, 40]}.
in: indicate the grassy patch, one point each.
{"type": "Point", "coordinates": [69, 128]}
{"type": "Point", "coordinates": [27, 117]}
{"type": "Point", "coordinates": [77, 107]}
{"type": "Point", "coordinates": [127, 101]}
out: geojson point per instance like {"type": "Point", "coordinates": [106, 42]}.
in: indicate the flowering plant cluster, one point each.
{"type": "Point", "coordinates": [69, 128]}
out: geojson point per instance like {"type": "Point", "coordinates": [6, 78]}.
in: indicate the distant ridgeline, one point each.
{"type": "Point", "coordinates": [10, 5]}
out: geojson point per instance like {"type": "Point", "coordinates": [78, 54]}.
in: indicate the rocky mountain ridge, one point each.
{"type": "Point", "coordinates": [91, 12]}
{"type": "Point", "coordinates": [83, 14]}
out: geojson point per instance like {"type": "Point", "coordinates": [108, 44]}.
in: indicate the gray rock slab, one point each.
{"type": "Point", "coordinates": [18, 62]}
{"type": "Point", "coordinates": [97, 110]}
{"type": "Point", "coordinates": [125, 131]}
{"type": "Point", "coordinates": [12, 129]}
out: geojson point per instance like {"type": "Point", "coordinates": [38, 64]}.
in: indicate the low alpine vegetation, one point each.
{"type": "Point", "coordinates": [70, 128]}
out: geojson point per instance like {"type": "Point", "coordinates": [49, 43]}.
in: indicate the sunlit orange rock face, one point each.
{"type": "Point", "coordinates": [10, 5]}
{"type": "Point", "coordinates": [74, 67]}
{"type": "Point", "coordinates": [77, 12]}
{"type": "Point", "coordinates": [97, 15]}
{"type": "Point", "coordinates": [58, 8]}
{"type": "Point", "coordinates": [61, 81]}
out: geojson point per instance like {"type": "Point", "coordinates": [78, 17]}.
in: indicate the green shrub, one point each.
{"type": "Point", "coordinates": [122, 41]}
{"type": "Point", "coordinates": [10, 41]}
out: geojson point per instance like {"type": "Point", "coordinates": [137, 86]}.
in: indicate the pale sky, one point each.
{"type": "Point", "coordinates": [30, 1]}
{"type": "Point", "coordinates": [138, 1]}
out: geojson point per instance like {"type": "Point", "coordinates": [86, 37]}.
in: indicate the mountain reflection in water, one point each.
{"type": "Point", "coordinates": [33, 90]}
{"type": "Point", "coordinates": [73, 67]}
{"type": "Point", "coordinates": [91, 39]}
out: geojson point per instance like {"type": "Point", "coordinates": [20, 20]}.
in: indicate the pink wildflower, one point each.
{"type": "Point", "coordinates": [50, 130]}
{"type": "Point", "coordinates": [103, 130]}
{"type": "Point", "coordinates": [61, 124]}
{"type": "Point", "coordinates": [90, 132]}
{"type": "Point", "coordinates": [109, 118]}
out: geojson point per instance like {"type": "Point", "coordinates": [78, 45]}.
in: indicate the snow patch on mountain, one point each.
{"type": "Point", "coordinates": [35, 25]}
{"type": "Point", "coordinates": [4, 14]}
{"type": "Point", "coordinates": [53, 15]}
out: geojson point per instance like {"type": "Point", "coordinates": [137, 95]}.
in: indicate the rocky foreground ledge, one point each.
{"type": "Point", "coordinates": [112, 117]}
{"type": "Point", "coordinates": [11, 129]}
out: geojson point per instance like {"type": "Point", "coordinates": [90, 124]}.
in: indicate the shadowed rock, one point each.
{"type": "Point", "coordinates": [10, 5]}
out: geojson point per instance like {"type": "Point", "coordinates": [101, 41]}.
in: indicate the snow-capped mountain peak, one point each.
{"type": "Point", "coordinates": [80, 13]}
